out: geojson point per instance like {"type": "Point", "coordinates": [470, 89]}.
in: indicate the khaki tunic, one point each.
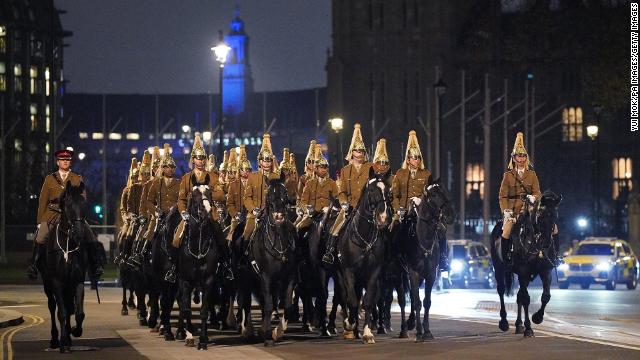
{"type": "Point", "coordinates": [255, 196]}
{"type": "Point", "coordinates": [511, 189]}
{"type": "Point", "coordinates": [235, 196]}
{"type": "Point", "coordinates": [124, 199]}
{"type": "Point", "coordinates": [302, 180]}
{"type": "Point", "coordinates": [291, 185]}
{"type": "Point", "coordinates": [352, 182]}
{"type": "Point", "coordinates": [405, 187]}
{"type": "Point", "coordinates": [53, 186]}
{"type": "Point", "coordinates": [318, 193]}
{"type": "Point", "coordinates": [133, 200]}
{"type": "Point", "coordinates": [161, 197]}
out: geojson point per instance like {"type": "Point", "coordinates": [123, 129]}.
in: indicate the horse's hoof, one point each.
{"type": "Point", "coordinates": [503, 325]}
{"type": "Point", "coordinates": [143, 322]}
{"type": "Point", "coordinates": [162, 331]}
{"type": "Point", "coordinates": [332, 330]}
{"type": "Point", "coordinates": [76, 331]}
{"type": "Point", "coordinates": [382, 330]}
{"type": "Point", "coordinates": [427, 336]}
{"type": "Point", "coordinates": [65, 349]}
{"type": "Point", "coordinates": [269, 342]}
{"type": "Point", "coordinates": [306, 328]}
{"type": "Point", "coordinates": [124, 311]}
{"type": "Point", "coordinates": [168, 336]}
{"type": "Point", "coordinates": [403, 335]}
{"type": "Point", "coordinates": [348, 335]}
{"type": "Point", "coordinates": [155, 329]}
{"type": "Point", "coordinates": [519, 329]}
{"type": "Point", "coordinates": [181, 335]}
{"type": "Point", "coordinates": [411, 323]}
{"type": "Point", "coordinates": [325, 333]}
{"type": "Point", "coordinates": [54, 343]}
{"type": "Point", "coordinates": [153, 324]}
{"type": "Point", "coordinates": [388, 329]}
{"type": "Point", "coordinates": [202, 346]}
{"type": "Point", "coordinates": [131, 305]}
{"type": "Point", "coordinates": [528, 333]}
{"type": "Point", "coordinates": [419, 338]}
{"type": "Point", "coordinates": [190, 342]}
{"type": "Point", "coordinates": [537, 318]}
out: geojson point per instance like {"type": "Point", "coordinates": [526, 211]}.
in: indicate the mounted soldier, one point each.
{"type": "Point", "coordinates": [290, 182]}
{"type": "Point", "coordinates": [520, 183]}
{"type": "Point", "coordinates": [49, 214]}
{"type": "Point", "coordinates": [237, 188]}
{"type": "Point", "coordinates": [381, 163]}
{"type": "Point", "coordinates": [199, 175]}
{"type": "Point", "coordinates": [318, 191]}
{"type": "Point", "coordinates": [132, 178]}
{"type": "Point", "coordinates": [352, 180]}
{"type": "Point", "coordinates": [257, 184]}
{"type": "Point", "coordinates": [223, 170]}
{"type": "Point", "coordinates": [309, 168]}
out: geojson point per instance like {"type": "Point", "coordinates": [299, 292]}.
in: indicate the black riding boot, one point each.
{"type": "Point", "coordinates": [328, 255]}
{"type": "Point", "coordinates": [555, 257]}
{"type": "Point", "coordinates": [32, 269]}
{"type": "Point", "coordinates": [228, 264]}
{"type": "Point", "coordinates": [444, 254]}
{"type": "Point", "coordinates": [170, 276]}
{"type": "Point", "coordinates": [96, 263]}
{"type": "Point", "coordinates": [507, 253]}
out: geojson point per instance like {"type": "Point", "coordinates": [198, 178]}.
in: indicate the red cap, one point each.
{"type": "Point", "coordinates": [63, 154]}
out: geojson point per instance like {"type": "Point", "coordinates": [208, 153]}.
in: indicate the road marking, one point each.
{"type": "Point", "coordinates": [36, 320]}
{"type": "Point", "coordinates": [19, 306]}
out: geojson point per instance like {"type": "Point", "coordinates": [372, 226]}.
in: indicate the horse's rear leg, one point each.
{"type": "Point", "coordinates": [349, 292]}
{"type": "Point", "coordinates": [124, 310]}
{"type": "Point", "coordinates": [131, 303]}
{"type": "Point", "coordinates": [207, 301]}
{"type": "Point", "coordinates": [140, 299]}
{"type": "Point", "coordinates": [76, 331]}
{"type": "Point", "coordinates": [500, 287]}
{"type": "Point", "coordinates": [267, 310]}
{"type": "Point", "coordinates": [166, 303]}
{"type": "Point", "coordinates": [402, 302]}
{"type": "Point", "coordinates": [546, 296]}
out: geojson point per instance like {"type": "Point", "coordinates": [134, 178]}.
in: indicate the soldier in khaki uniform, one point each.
{"type": "Point", "coordinates": [381, 164]}
{"type": "Point", "coordinates": [133, 177]}
{"type": "Point", "coordinates": [519, 183]}
{"type": "Point", "coordinates": [256, 192]}
{"type": "Point", "coordinates": [223, 170]}
{"type": "Point", "coordinates": [290, 182]}
{"type": "Point", "coordinates": [309, 167]}
{"type": "Point", "coordinates": [353, 178]}
{"type": "Point", "coordinates": [235, 196]}
{"type": "Point", "coordinates": [49, 213]}
{"type": "Point", "coordinates": [198, 163]}
{"type": "Point", "coordinates": [317, 192]}
{"type": "Point", "coordinates": [211, 165]}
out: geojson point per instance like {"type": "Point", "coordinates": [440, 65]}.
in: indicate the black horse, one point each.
{"type": "Point", "coordinates": [198, 261]}
{"type": "Point", "coordinates": [125, 272]}
{"type": "Point", "coordinates": [533, 251]}
{"type": "Point", "coordinates": [268, 264]}
{"type": "Point", "coordinates": [394, 276]}
{"type": "Point", "coordinates": [361, 248]}
{"type": "Point", "coordinates": [67, 260]}
{"type": "Point", "coordinates": [422, 252]}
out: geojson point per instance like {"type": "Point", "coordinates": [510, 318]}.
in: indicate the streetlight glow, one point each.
{"type": "Point", "coordinates": [81, 156]}
{"type": "Point", "coordinates": [336, 124]}
{"type": "Point", "coordinates": [221, 51]}
{"type": "Point", "coordinates": [582, 223]}
{"type": "Point", "coordinates": [592, 131]}
{"type": "Point", "coordinates": [186, 128]}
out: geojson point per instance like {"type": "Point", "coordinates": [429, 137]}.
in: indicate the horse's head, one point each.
{"type": "Point", "coordinates": [547, 212]}
{"type": "Point", "coordinates": [376, 198]}
{"type": "Point", "coordinates": [72, 203]}
{"type": "Point", "coordinates": [435, 203]}
{"type": "Point", "coordinates": [277, 199]}
{"type": "Point", "coordinates": [200, 203]}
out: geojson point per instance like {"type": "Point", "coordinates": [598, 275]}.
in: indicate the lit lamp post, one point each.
{"type": "Point", "coordinates": [336, 125]}
{"type": "Point", "coordinates": [440, 88]}
{"type": "Point", "coordinates": [592, 132]}
{"type": "Point", "coordinates": [221, 51]}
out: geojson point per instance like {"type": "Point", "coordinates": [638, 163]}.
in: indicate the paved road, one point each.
{"type": "Point", "coordinates": [596, 322]}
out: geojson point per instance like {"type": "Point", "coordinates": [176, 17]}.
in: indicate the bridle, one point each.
{"type": "Point", "coordinates": [363, 243]}
{"type": "Point", "coordinates": [201, 221]}
{"type": "Point", "coordinates": [432, 220]}
{"type": "Point", "coordinates": [72, 225]}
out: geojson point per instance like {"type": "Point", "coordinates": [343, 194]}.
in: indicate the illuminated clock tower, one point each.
{"type": "Point", "coordinates": [237, 80]}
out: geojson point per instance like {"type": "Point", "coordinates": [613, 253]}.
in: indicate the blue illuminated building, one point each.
{"type": "Point", "coordinates": [237, 81]}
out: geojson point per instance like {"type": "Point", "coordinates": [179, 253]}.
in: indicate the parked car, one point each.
{"type": "Point", "coordinates": [470, 264]}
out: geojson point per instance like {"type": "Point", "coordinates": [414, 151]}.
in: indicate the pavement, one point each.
{"type": "Point", "coordinates": [463, 322]}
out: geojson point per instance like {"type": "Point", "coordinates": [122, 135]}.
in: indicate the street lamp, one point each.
{"type": "Point", "coordinates": [440, 88]}
{"type": "Point", "coordinates": [336, 125]}
{"type": "Point", "coordinates": [221, 52]}
{"type": "Point", "coordinates": [592, 132]}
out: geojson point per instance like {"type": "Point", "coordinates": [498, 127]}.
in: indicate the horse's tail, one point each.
{"type": "Point", "coordinates": [508, 281]}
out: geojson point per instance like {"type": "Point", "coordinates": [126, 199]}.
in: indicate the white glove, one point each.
{"type": "Point", "coordinates": [508, 215]}
{"type": "Point", "coordinates": [38, 226]}
{"type": "Point", "coordinates": [531, 198]}
{"type": "Point", "coordinates": [344, 206]}
{"type": "Point", "coordinates": [256, 211]}
{"type": "Point", "coordinates": [299, 211]}
{"type": "Point", "coordinates": [401, 211]}
{"type": "Point", "coordinates": [416, 200]}
{"type": "Point", "coordinates": [325, 209]}
{"type": "Point", "coordinates": [185, 215]}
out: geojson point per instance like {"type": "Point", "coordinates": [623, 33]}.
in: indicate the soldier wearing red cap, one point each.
{"type": "Point", "coordinates": [49, 208]}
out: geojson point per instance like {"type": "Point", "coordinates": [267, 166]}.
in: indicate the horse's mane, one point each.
{"type": "Point", "coordinates": [71, 192]}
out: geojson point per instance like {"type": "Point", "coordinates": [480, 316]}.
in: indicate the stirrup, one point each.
{"type": "Point", "coordinates": [170, 276]}
{"type": "Point", "coordinates": [328, 258]}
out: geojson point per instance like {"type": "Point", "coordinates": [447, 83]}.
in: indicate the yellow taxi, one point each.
{"type": "Point", "coordinates": [598, 260]}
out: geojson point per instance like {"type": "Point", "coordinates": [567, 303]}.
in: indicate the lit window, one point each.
{"type": "Point", "coordinates": [47, 148]}
{"type": "Point", "coordinates": [475, 180]}
{"type": "Point", "coordinates": [133, 136]}
{"type": "Point", "coordinates": [33, 109]}
{"type": "Point", "coordinates": [17, 77]}
{"type": "Point", "coordinates": [3, 39]}
{"type": "Point", "coordinates": [134, 150]}
{"type": "Point", "coordinates": [33, 78]}
{"type": "Point", "coordinates": [47, 113]}
{"type": "Point", "coordinates": [17, 144]}
{"type": "Point", "coordinates": [47, 76]}
{"type": "Point", "coordinates": [17, 70]}
{"type": "Point", "coordinates": [83, 135]}
{"type": "Point", "coordinates": [622, 176]}
{"type": "Point", "coordinates": [169, 136]}
{"type": "Point", "coordinates": [3, 77]}
{"type": "Point", "coordinates": [97, 136]}
{"type": "Point", "coordinates": [572, 124]}
{"type": "Point", "coordinates": [115, 136]}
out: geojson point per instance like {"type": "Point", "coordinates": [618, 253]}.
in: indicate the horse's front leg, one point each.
{"type": "Point", "coordinates": [125, 309]}
{"type": "Point", "coordinates": [167, 299]}
{"type": "Point", "coordinates": [416, 305]}
{"type": "Point", "coordinates": [65, 339]}
{"type": "Point", "coordinates": [546, 296]}
{"type": "Point", "coordinates": [267, 309]}
{"type": "Point", "coordinates": [76, 331]}
{"type": "Point", "coordinates": [347, 280]}
{"type": "Point", "coordinates": [289, 311]}
{"type": "Point", "coordinates": [430, 279]}
{"type": "Point", "coordinates": [524, 300]}
{"type": "Point", "coordinates": [207, 301]}
{"type": "Point", "coordinates": [185, 311]}
{"type": "Point", "coordinates": [140, 299]}
{"type": "Point", "coordinates": [369, 302]}
{"type": "Point", "coordinates": [54, 343]}
{"type": "Point", "coordinates": [500, 282]}
{"type": "Point", "coordinates": [402, 302]}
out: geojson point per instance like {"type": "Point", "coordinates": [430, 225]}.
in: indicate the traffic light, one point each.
{"type": "Point", "coordinates": [97, 209]}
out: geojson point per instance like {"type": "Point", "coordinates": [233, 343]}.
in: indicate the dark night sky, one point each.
{"type": "Point", "coordinates": [148, 46]}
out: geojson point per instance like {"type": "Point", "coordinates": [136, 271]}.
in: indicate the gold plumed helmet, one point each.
{"type": "Point", "coordinates": [145, 168]}
{"type": "Point", "coordinates": [133, 171]}
{"type": "Point", "coordinates": [243, 162]}
{"type": "Point", "coordinates": [320, 160]}
{"type": "Point", "coordinates": [519, 149]}
{"type": "Point", "coordinates": [413, 151]}
{"type": "Point", "coordinates": [286, 158]}
{"type": "Point", "coordinates": [225, 161]}
{"type": "Point", "coordinates": [167, 160]}
{"type": "Point", "coordinates": [266, 151]}
{"type": "Point", "coordinates": [211, 163]}
{"type": "Point", "coordinates": [311, 154]}
{"type": "Point", "coordinates": [292, 164]}
{"type": "Point", "coordinates": [197, 151]}
{"type": "Point", "coordinates": [232, 162]}
{"type": "Point", "coordinates": [356, 142]}
{"type": "Point", "coordinates": [381, 152]}
{"type": "Point", "coordinates": [155, 158]}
